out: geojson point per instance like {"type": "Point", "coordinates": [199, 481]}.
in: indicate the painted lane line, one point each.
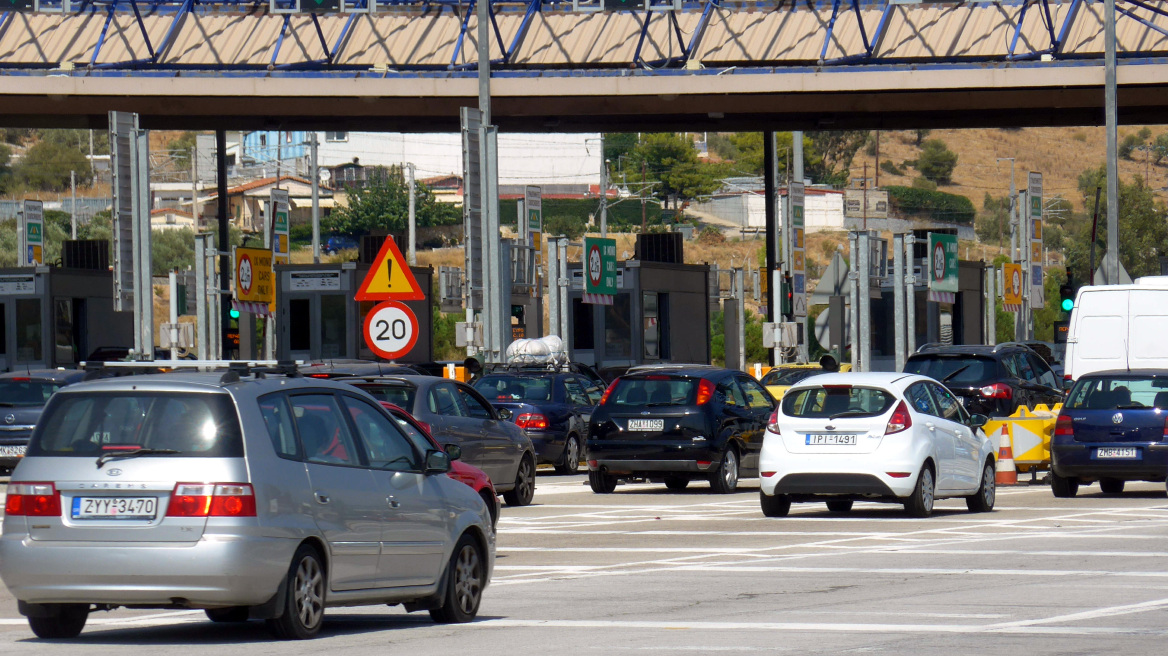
{"type": "Point", "coordinates": [1112, 611]}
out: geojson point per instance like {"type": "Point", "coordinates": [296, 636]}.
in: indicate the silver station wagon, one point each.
{"type": "Point", "coordinates": [254, 497]}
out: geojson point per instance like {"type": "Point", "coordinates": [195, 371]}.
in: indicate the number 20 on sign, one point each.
{"type": "Point", "coordinates": [391, 329]}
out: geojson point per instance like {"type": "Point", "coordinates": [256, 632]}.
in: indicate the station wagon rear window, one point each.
{"type": "Point", "coordinates": [953, 370]}
{"type": "Point", "coordinates": [97, 423]}
{"type": "Point", "coordinates": [653, 390]}
{"type": "Point", "coordinates": [831, 401]}
{"type": "Point", "coordinates": [1119, 392]}
{"type": "Point", "coordinates": [515, 388]}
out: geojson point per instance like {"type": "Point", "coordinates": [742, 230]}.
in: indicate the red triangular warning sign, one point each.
{"type": "Point", "coordinates": [390, 278]}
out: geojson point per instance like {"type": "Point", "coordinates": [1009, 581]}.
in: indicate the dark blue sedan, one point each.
{"type": "Point", "coordinates": [1113, 428]}
{"type": "Point", "coordinates": [552, 408]}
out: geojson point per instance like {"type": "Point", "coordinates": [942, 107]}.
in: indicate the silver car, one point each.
{"type": "Point", "coordinates": [252, 497]}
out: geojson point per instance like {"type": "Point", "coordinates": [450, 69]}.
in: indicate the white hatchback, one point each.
{"type": "Point", "coordinates": [874, 436]}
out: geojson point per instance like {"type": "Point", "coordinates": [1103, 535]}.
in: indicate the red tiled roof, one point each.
{"type": "Point", "coordinates": [169, 210]}
{"type": "Point", "coordinates": [256, 184]}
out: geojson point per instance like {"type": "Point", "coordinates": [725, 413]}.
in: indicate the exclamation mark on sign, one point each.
{"type": "Point", "coordinates": [389, 273]}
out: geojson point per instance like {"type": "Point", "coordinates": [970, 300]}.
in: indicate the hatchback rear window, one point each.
{"type": "Point", "coordinates": [837, 401]}
{"type": "Point", "coordinates": [653, 390]}
{"type": "Point", "coordinates": [790, 376]}
{"type": "Point", "coordinates": [90, 424]}
{"type": "Point", "coordinates": [1119, 392]}
{"type": "Point", "coordinates": [955, 370]}
{"type": "Point", "coordinates": [515, 388]}
{"type": "Point", "coordinates": [400, 395]}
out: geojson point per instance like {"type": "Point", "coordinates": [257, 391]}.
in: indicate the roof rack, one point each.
{"type": "Point", "coordinates": [235, 368]}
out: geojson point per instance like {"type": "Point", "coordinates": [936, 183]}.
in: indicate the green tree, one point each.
{"type": "Point", "coordinates": [1143, 233]}
{"type": "Point", "coordinates": [919, 137]}
{"type": "Point", "coordinates": [618, 144]}
{"type": "Point", "coordinates": [993, 221]}
{"type": "Point", "coordinates": [834, 151]}
{"type": "Point", "coordinates": [384, 204]}
{"type": "Point", "coordinates": [936, 161]}
{"type": "Point", "coordinates": [1160, 148]}
{"type": "Point", "coordinates": [671, 161]}
{"type": "Point", "coordinates": [181, 149]}
{"type": "Point", "coordinates": [46, 166]}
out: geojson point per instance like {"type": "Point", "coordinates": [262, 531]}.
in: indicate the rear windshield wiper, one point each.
{"type": "Point", "coordinates": [850, 413]}
{"type": "Point", "coordinates": [118, 455]}
{"type": "Point", "coordinates": [953, 373]}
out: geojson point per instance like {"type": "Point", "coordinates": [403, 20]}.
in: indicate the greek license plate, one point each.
{"type": "Point", "coordinates": [115, 507]}
{"type": "Point", "coordinates": [646, 424]}
{"type": "Point", "coordinates": [12, 451]}
{"type": "Point", "coordinates": [831, 440]}
{"type": "Point", "coordinates": [1115, 452]}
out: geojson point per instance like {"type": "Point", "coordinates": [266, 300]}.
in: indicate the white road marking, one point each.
{"type": "Point", "coordinates": [811, 627]}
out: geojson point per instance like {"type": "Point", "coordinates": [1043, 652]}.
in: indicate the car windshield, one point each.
{"type": "Point", "coordinates": [16, 392]}
{"type": "Point", "coordinates": [953, 370]}
{"type": "Point", "coordinates": [790, 375]}
{"type": "Point", "coordinates": [101, 423]}
{"type": "Point", "coordinates": [400, 395]}
{"type": "Point", "coordinates": [653, 390]}
{"type": "Point", "coordinates": [1119, 392]}
{"type": "Point", "coordinates": [837, 401]}
{"type": "Point", "coordinates": [515, 388]}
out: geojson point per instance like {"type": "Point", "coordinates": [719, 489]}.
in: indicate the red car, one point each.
{"type": "Point", "coordinates": [476, 478]}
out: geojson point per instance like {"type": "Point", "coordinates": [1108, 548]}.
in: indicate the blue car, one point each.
{"type": "Point", "coordinates": [552, 408]}
{"type": "Point", "coordinates": [1113, 428]}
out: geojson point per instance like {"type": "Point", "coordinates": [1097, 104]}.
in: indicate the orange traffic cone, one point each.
{"type": "Point", "coordinates": [1005, 473]}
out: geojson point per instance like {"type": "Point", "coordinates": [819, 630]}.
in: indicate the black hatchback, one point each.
{"type": "Point", "coordinates": [989, 380]}
{"type": "Point", "coordinates": [678, 425]}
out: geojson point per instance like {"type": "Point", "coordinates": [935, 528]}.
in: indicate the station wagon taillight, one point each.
{"type": "Point", "coordinates": [1064, 426]}
{"type": "Point", "coordinates": [773, 423]}
{"type": "Point", "coordinates": [532, 420]}
{"type": "Point", "coordinates": [900, 420]}
{"type": "Point", "coordinates": [705, 391]}
{"type": "Point", "coordinates": [212, 500]}
{"type": "Point", "coordinates": [997, 391]}
{"type": "Point", "coordinates": [33, 500]}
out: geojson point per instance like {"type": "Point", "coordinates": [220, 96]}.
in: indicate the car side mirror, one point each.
{"type": "Point", "coordinates": [977, 421]}
{"type": "Point", "coordinates": [454, 451]}
{"type": "Point", "coordinates": [437, 462]}
{"type": "Point", "coordinates": [504, 414]}
{"type": "Point", "coordinates": [1067, 385]}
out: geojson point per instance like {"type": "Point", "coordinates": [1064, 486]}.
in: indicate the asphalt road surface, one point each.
{"type": "Point", "coordinates": [646, 571]}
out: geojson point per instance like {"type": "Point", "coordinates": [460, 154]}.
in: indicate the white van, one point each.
{"type": "Point", "coordinates": [1119, 327]}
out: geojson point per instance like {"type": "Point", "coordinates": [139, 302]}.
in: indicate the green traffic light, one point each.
{"type": "Point", "coordinates": [235, 313]}
{"type": "Point", "coordinates": [1068, 304]}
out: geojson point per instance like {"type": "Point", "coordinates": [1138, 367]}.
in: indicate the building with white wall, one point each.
{"type": "Point", "coordinates": [823, 209]}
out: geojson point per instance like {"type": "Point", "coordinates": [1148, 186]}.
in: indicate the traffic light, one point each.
{"type": "Point", "coordinates": [234, 313]}
{"type": "Point", "coordinates": [787, 297]}
{"type": "Point", "coordinates": [1067, 295]}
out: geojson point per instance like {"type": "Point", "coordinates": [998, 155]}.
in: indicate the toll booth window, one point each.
{"type": "Point", "coordinates": [332, 326]}
{"type": "Point", "coordinates": [299, 324]}
{"type": "Point", "coordinates": [582, 338]}
{"type": "Point", "coordinates": [63, 331]}
{"type": "Point", "coordinates": [29, 330]}
{"type": "Point", "coordinates": [651, 320]}
{"type": "Point", "coordinates": [3, 330]}
{"type": "Point", "coordinates": [618, 329]}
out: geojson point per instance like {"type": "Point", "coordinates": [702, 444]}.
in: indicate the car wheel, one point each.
{"type": "Point", "coordinates": [465, 579]}
{"type": "Point", "coordinates": [840, 505]}
{"type": "Point", "coordinates": [1111, 486]}
{"type": "Point", "coordinates": [920, 504]}
{"type": "Point", "coordinates": [227, 615]}
{"type": "Point", "coordinates": [304, 602]}
{"type": "Point", "coordinates": [774, 505]}
{"type": "Point", "coordinates": [987, 493]}
{"type": "Point", "coordinates": [492, 505]}
{"type": "Point", "coordinates": [725, 480]}
{"type": "Point", "coordinates": [601, 482]}
{"type": "Point", "coordinates": [63, 621]}
{"type": "Point", "coordinates": [571, 464]}
{"type": "Point", "coordinates": [524, 490]}
{"type": "Point", "coordinates": [676, 483]}
{"type": "Point", "coordinates": [1063, 487]}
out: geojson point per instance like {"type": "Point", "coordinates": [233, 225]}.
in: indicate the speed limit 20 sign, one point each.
{"type": "Point", "coordinates": [391, 329]}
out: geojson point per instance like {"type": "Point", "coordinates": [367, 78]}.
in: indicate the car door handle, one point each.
{"type": "Point", "coordinates": [393, 503]}
{"type": "Point", "coordinates": [321, 497]}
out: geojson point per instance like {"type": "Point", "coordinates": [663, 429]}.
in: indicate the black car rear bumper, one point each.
{"type": "Point", "coordinates": [641, 467]}
{"type": "Point", "coordinates": [812, 484]}
{"type": "Point", "coordinates": [1077, 460]}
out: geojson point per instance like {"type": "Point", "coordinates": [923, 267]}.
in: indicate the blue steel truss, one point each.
{"type": "Point", "coordinates": [645, 13]}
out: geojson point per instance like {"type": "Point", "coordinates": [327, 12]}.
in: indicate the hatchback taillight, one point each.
{"type": "Point", "coordinates": [997, 391]}
{"type": "Point", "coordinates": [773, 423]}
{"type": "Point", "coordinates": [611, 386]}
{"type": "Point", "coordinates": [900, 420]}
{"type": "Point", "coordinates": [705, 391]}
{"type": "Point", "coordinates": [212, 500]}
{"type": "Point", "coordinates": [532, 420]}
{"type": "Point", "coordinates": [33, 500]}
{"type": "Point", "coordinates": [1064, 426]}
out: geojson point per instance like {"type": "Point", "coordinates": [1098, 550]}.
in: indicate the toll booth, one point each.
{"type": "Point", "coordinates": [54, 316]}
{"type": "Point", "coordinates": [318, 319]}
{"type": "Point", "coordinates": [660, 313]}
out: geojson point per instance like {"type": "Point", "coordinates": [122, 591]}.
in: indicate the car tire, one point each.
{"type": "Point", "coordinates": [601, 483]}
{"type": "Point", "coordinates": [571, 464]}
{"type": "Point", "coordinates": [920, 504]}
{"type": "Point", "coordinates": [840, 505]}
{"type": "Point", "coordinates": [676, 483]}
{"type": "Point", "coordinates": [1063, 487]}
{"type": "Point", "coordinates": [465, 579]}
{"type": "Point", "coordinates": [304, 599]}
{"type": "Point", "coordinates": [492, 505]}
{"type": "Point", "coordinates": [725, 479]}
{"type": "Point", "coordinates": [774, 505]}
{"type": "Point", "coordinates": [524, 490]}
{"type": "Point", "coordinates": [230, 615]}
{"type": "Point", "coordinates": [987, 492]}
{"type": "Point", "coordinates": [1111, 486]}
{"type": "Point", "coordinates": [63, 621]}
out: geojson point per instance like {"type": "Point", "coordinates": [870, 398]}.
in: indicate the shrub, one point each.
{"type": "Point", "coordinates": [937, 205]}
{"type": "Point", "coordinates": [936, 161]}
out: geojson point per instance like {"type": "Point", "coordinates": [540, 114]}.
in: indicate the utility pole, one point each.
{"type": "Point", "coordinates": [73, 207]}
{"type": "Point", "coordinates": [1013, 192]}
{"type": "Point", "coordinates": [644, 188]}
{"type": "Point", "coordinates": [603, 190]}
{"type": "Point", "coordinates": [864, 187]}
{"type": "Point", "coordinates": [789, 247]}
{"type": "Point", "coordinates": [898, 300]}
{"type": "Point", "coordinates": [910, 288]}
{"type": "Point", "coordinates": [314, 149]}
{"type": "Point", "coordinates": [413, 254]}
{"type": "Point", "coordinates": [195, 186]}
{"type": "Point", "coordinates": [1111, 258]}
